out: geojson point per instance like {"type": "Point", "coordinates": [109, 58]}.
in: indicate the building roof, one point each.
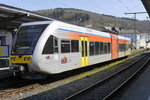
{"type": "Point", "coordinates": [128, 32]}
{"type": "Point", "coordinates": [146, 4]}
{"type": "Point", "coordinates": [12, 17]}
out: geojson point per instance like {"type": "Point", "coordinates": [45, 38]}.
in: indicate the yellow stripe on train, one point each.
{"type": "Point", "coordinates": [24, 59]}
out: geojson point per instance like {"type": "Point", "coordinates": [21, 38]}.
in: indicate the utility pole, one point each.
{"type": "Point", "coordinates": [135, 13]}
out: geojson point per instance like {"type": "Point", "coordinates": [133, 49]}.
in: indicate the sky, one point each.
{"type": "Point", "coordinates": [109, 7]}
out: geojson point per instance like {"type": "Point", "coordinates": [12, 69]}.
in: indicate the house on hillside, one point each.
{"type": "Point", "coordinates": [145, 40]}
{"type": "Point", "coordinates": [139, 40]}
{"type": "Point", "coordinates": [134, 36]}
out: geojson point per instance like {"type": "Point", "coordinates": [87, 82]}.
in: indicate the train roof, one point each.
{"type": "Point", "coordinates": [124, 38]}
{"type": "Point", "coordinates": [74, 28]}
{"type": "Point", "coordinates": [36, 23]}
{"type": "Point", "coordinates": [70, 27]}
{"type": "Point", "coordinates": [83, 30]}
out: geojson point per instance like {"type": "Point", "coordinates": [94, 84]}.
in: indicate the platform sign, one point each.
{"type": "Point", "coordinates": [4, 51]}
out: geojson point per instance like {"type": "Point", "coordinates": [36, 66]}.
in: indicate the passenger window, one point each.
{"type": "Point", "coordinates": [101, 48]}
{"type": "Point", "coordinates": [49, 48]}
{"type": "Point", "coordinates": [55, 42]}
{"type": "Point", "coordinates": [65, 46]}
{"type": "Point", "coordinates": [109, 48]}
{"type": "Point", "coordinates": [105, 47]}
{"type": "Point", "coordinates": [55, 45]}
{"type": "Point", "coordinates": [97, 48]}
{"type": "Point", "coordinates": [74, 46]}
{"type": "Point", "coordinates": [122, 47]}
{"type": "Point", "coordinates": [91, 48]}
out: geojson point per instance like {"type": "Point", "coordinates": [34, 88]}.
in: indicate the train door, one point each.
{"type": "Point", "coordinates": [114, 46]}
{"type": "Point", "coordinates": [84, 51]}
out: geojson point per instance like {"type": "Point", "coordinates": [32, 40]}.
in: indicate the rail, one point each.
{"type": "Point", "coordinates": [82, 93]}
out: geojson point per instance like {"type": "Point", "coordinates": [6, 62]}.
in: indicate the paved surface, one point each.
{"type": "Point", "coordinates": [140, 89]}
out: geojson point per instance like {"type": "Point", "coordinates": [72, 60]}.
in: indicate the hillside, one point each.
{"type": "Point", "coordinates": [83, 18]}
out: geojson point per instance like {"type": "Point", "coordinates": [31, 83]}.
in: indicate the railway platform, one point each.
{"type": "Point", "coordinates": [140, 89]}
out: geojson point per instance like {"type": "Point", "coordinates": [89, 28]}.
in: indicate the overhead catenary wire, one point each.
{"type": "Point", "coordinates": [124, 5]}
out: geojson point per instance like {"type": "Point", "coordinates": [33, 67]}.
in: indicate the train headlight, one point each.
{"type": "Point", "coordinates": [13, 58]}
{"type": "Point", "coordinates": [27, 58]}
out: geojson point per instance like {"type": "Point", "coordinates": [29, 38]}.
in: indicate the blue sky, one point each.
{"type": "Point", "coordinates": [109, 7]}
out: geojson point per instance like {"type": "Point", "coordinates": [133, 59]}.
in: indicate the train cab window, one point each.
{"type": "Point", "coordinates": [97, 48]}
{"type": "Point", "coordinates": [65, 46]}
{"type": "Point", "coordinates": [101, 48]}
{"type": "Point", "coordinates": [49, 48]}
{"type": "Point", "coordinates": [74, 46]}
{"type": "Point", "coordinates": [91, 48]}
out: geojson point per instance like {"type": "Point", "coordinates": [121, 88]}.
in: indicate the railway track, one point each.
{"type": "Point", "coordinates": [14, 85]}
{"type": "Point", "coordinates": [106, 88]}
{"type": "Point", "coordinates": [7, 92]}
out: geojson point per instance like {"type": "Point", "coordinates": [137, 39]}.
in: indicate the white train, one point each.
{"type": "Point", "coordinates": [5, 43]}
{"type": "Point", "coordinates": [51, 47]}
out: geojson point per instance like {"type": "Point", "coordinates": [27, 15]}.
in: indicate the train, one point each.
{"type": "Point", "coordinates": [53, 47]}
{"type": "Point", "coordinates": [5, 43]}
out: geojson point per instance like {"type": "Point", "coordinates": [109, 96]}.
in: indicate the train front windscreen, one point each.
{"type": "Point", "coordinates": [27, 38]}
